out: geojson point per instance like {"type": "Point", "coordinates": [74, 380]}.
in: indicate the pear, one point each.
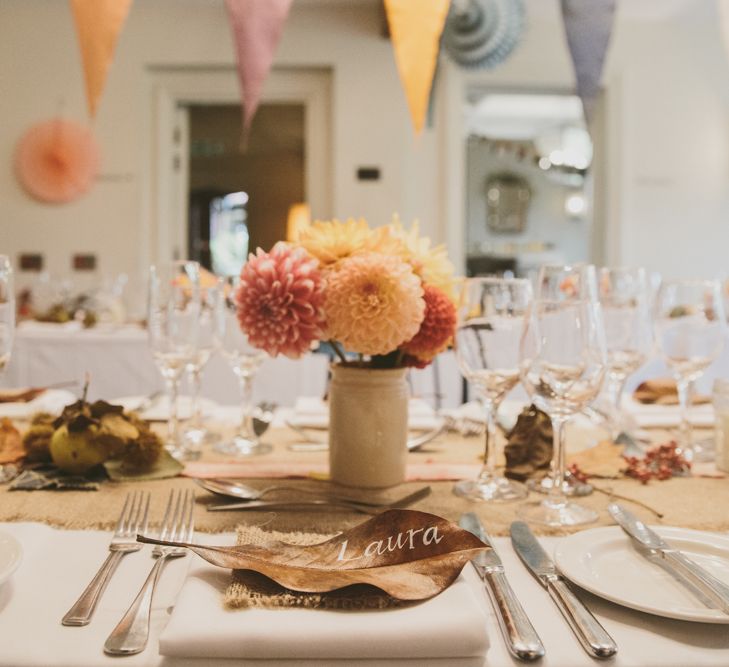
{"type": "Point", "coordinates": [77, 451]}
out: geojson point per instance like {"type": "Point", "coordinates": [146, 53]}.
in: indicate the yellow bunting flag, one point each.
{"type": "Point", "coordinates": [98, 24]}
{"type": "Point", "coordinates": [415, 29]}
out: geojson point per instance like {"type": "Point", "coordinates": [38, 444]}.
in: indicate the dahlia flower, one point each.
{"type": "Point", "coordinates": [436, 330]}
{"type": "Point", "coordinates": [374, 303]}
{"type": "Point", "coordinates": [333, 240]}
{"type": "Point", "coordinates": [280, 300]}
{"type": "Point", "coordinates": [431, 264]}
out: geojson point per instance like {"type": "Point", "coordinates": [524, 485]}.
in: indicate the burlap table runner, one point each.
{"type": "Point", "coordinates": [251, 589]}
{"type": "Point", "coordinates": [693, 502]}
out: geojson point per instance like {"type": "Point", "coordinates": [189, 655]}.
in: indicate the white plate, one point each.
{"type": "Point", "coordinates": [604, 562]}
{"type": "Point", "coordinates": [11, 554]}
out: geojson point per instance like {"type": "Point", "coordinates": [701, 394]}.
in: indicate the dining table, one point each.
{"type": "Point", "coordinates": [65, 534]}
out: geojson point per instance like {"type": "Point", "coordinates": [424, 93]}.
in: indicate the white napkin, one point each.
{"type": "Point", "coordinates": [160, 408]}
{"type": "Point", "coordinates": [313, 412]}
{"type": "Point", "coordinates": [667, 416]}
{"type": "Point", "coordinates": [452, 624]}
{"type": "Point", "coordinates": [52, 401]}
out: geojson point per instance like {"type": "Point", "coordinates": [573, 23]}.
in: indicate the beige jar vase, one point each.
{"type": "Point", "coordinates": [368, 426]}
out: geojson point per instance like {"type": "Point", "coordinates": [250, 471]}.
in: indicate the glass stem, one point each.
{"type": "Point", "coordinates": [173, 422]}
{"type": "Point", "coordinates": [559, 464]}
{"type": "Point", "coordinates": [489, 456]}
{"type": "Point", "coordinates": [195, 381]}
{"type": "Point", "coordinates": [684, 429]}
{"type": "Point", "coordinates": [246, 393]}
{"type": "Point", "coordinates": [617, 387]}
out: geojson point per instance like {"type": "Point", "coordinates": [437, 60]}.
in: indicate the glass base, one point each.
{"type": "Point", "coordinates": [490, 488]}
{"type": "Point", "coordinates": [182, 451]}
{"type": "Point", "coordinates": [240, 446]}
{"type": "Point", "coordinates": [200, 437]}
{"type": "Point", "coordinates": [701, 451]}
{"type": "Point", "coordinates": [570, 486]}
{"type": "Point", "coordinates": [556, 513]}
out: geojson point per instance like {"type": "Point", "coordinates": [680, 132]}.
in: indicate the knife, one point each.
{"type": "Point", "coordinates": [593, 637]}
{"type": "Point", "coordinates": [521, 638]}
{"type": "Point", "coordinates": [704, 585]}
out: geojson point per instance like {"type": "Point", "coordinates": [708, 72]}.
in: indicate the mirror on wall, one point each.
{"type": "Point", "coordinates": [527, 183]}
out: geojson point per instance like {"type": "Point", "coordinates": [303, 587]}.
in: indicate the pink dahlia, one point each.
{"type": "Point", "coordinates": [436, 330]}
{"type": "Point", "coordinates": [280, 300]}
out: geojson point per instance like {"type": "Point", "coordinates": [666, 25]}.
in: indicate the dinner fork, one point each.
{"type": "Point", "coordinates": [132, 632]}
{"type": "Point", "coordinates": [132, 520]}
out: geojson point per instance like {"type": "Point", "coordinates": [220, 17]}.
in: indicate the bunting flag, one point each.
{"type": "Point", "coordinates": [415, 30]}
{"type": "Point", "coordinates": [257, 26]}
{"type": "Point", "coordinates": [98, 24]}
{"type": "Point", "coordinates": [588, 26]}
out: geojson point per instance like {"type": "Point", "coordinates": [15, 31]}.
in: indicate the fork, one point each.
{"type": "Point", "coordinates": [133, 518]}
{"type": "Point", "coordinates": [132, 632]}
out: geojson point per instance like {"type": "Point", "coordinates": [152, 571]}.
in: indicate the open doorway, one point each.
{"type": "Point", "coordinates": [241, 200]}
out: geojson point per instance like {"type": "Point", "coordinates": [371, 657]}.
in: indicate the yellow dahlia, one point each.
{"type": "Point", "coordinates": [333, 240]}
{"type": "Point", "coordinates": [374, 303]}
{"type": "Point", "coordinates": [431, 264]}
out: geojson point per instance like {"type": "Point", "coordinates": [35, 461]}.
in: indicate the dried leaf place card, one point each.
{"type": "Point", "coordinates": [409, 555]}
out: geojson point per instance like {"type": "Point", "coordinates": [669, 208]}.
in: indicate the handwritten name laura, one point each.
{"type": "Point", "coordinates": [404, 540]}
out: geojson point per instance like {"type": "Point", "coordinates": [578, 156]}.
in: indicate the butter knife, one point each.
{"type": "Point", "coordinates": [704, 585]}
{"type": "Point", "coordinates": [521, 638]}
{"type": "Point", "coordinates": [593, 637]}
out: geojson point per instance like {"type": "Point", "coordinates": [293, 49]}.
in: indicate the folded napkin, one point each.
{"type": "Point", "coordinates": [52, 401]}
{"type": "Point", "coordinates": [312, 412]}
{"type": "Point", "coordinates": [450, 625]}
{"type": "Point", "coordinates": [662, 391]}
{"type": "Point", "coordinates": [667, 416]}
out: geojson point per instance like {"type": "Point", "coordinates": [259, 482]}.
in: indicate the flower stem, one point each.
{"type": "Point", "coordinates": [338, 351]}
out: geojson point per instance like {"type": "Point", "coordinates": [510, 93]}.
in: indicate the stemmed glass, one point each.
{"type": "Point", "coordinates": [244, 360]}
{"type": "Point", "coordinates": [173, 310]}
{"type": "Point", "coordinates": [625, 300]}
{"type": "Point", "coordinates": [195, 432]}
{"type": "Point", "coordinates": [7, 311]}
{"type": "Point", "coordinates": [690, 327]}
{"type": "Point", "coordinates": [563, 362]}
{"type": "Point", "coordinates": [490, 323]}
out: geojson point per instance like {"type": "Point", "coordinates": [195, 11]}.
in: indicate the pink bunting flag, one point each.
{"type": "Point", "coordinates": [257, 26]}
{"type": "Point", "coordinates": [588, 26]}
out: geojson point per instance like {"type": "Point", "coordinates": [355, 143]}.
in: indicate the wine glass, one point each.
{"type": "Point", "coordinates": [7, 311]}
{"type": "Point", "coordinates": [196, 435]}
{"type": "Point", "coordinates": [625, 300]}
{"type": "Point", "coordinates": [244, 360]}
{"type": "Point", "coordinates": [490, 323]}
{"type": "Point", "coordinates": [563, 363]}
{"type": "Point", "coordinates": [173, 310]}
{"type": "Point", "coordinates": [690, 328]}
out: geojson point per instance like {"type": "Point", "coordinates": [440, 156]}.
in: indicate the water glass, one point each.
{"type": "Point", "coordinates": [7, 311]}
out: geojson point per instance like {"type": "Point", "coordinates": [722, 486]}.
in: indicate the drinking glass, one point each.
{"type": "Point", "coordinates": [490, 324]}
{"type": "Point", "coordinates": [244, 360]}
{"type": "Point", "coordinates": [690, 328]}
{"type": "Point", "coordinates": [173, 310]}
{"type": "Point", "coordinates": [196, 435]}
{"type": "Point", "coordinates": [563, 362]}
{"type": "Point", "coordinates": [7, 311]}
{"type": "Point", "coordinates": [625, 300]}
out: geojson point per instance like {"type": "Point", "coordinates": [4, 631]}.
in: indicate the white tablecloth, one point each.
{"type": "Point", "coordinates": [58, 564]}
{"type": "Point", "coordinates": [120, 363]}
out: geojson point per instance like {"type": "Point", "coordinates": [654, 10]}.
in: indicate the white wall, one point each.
{"type": "Point", "coordinates": [668, 85]}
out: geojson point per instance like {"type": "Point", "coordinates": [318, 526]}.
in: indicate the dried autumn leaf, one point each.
{"type": "Point", "coordinates": [410, 555]}
{"type": "Point", "coordinates": [11, 444]}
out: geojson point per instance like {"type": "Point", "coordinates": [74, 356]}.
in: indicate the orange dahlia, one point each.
{"type": "Point", "coordinates": [373, 304]}
{"type": "Point", "coordinates": [280, 300]}
{"type": "Point", "coordinates": [436, 330]}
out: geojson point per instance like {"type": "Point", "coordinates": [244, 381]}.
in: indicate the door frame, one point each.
{"type": "Point", "coordinates": [170, 90]}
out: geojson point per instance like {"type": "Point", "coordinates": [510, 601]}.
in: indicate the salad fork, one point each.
{"type": "Point", "coordinates": [132, 632]}
{"type": "Point", "coordinates": [133, 519]}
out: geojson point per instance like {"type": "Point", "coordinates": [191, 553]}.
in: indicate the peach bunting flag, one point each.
{"type": "Point", "coordinates": [415, 30]}
{"type": "Point", "coordinates": [257, 26]}
{"type": "Point", "coordinates": [98, 24]}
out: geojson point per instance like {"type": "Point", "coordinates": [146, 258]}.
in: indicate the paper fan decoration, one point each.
{"type": "Point", "coordinates": [483, 33]}
{"type": "Point", "coordinates": [57, 161]}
